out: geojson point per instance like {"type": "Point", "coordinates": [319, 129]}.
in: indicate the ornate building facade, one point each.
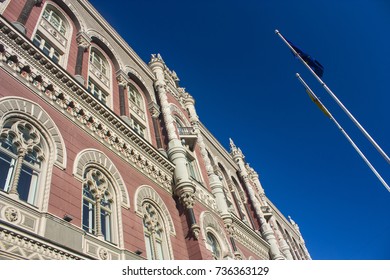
{"type": "Point", "coordinates": [103, 156]}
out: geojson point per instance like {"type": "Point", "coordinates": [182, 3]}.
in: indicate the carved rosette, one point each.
{"type": "Point", "coordinates": [103, 254]}
{"type": "Point", "coordinates": [11, 214]}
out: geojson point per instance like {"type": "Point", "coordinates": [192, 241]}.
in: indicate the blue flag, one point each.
{"type": "Point", "coordinates": [314, 64]}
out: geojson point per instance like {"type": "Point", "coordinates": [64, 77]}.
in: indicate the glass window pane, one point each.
{"type": "Point", "coordinates": [6, 171]}
{"type": "Point", "coordinates": [105, 218]}
{"type": "Point", "coordinates": [25, 182]}
{"type": "Point", "coordinates": [159, 248]}
{"type": "Point", "coordinates": [88, 217]}
{"type": "Point", "coordinates": [148, 244]}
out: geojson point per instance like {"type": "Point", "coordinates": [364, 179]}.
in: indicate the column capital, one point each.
{"type": "Point", "coordinates": [83, 40]}
{"type": "Point", "coordinates": [122, 78]}
{"type": "Point", "coordinates": [154, 109]}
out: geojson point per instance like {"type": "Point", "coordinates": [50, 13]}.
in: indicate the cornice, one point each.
{"type": "Point", "coordinates": [281, 218]}
{"type": "Point", "coordinates": [221, 150]}
{"type": "Point", "coordinates": [61, 90]}
{"type": "Point", "coordinates": [249, 238]}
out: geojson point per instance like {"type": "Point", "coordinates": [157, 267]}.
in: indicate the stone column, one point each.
{"type": "Point", "coordinates": [282, 242]}
{"type": "Point", "coordinates": [265, 228]}
{"type": "Point", "coordinates": [18, 167]}
{"type": "Point", "coordinates": [25, 14]}
{"type": "Point", "coordinates": [122, 84]}
{"type": "Point", "coordinates": [215, 183]}
{"type": "Point", "coordinates": [183, 186]}
{"type": "Point", "coordinates": [154, 110]}
{"type": "Point", "coordinates": [83, 43]}
{"type": "Point", "coordinates": [302, 241]}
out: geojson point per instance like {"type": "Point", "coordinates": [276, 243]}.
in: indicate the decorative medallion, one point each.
{"type": "Point", "coordinates": [11, 214]}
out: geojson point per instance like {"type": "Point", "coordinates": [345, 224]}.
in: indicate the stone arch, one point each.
{"type": "Point", "coordinates": [96, 157]}
{"type": "Point", "coordinates": [68, 8]}
{"type": "Point", "coordinates": [148, 193]}
{"type": "Point", "coordinates": [208, 222]}
{"type": "Point", "coordinates": [140, 82]}
{"type": "Point", "coordinates": [176, 111]}
{"type": "Point", "coordinates": [13, 106]}
{"type": "Point", "coordinates": [105, 45]}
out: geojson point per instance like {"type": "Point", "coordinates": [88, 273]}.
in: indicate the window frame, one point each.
{"type": "Point", "coordinates": [156, 238]}
{"type": "Point", "coordinates": [62, 26]}
{"type": "Point", "coordinates": [29, 192]}
{"type": "Point", "coordinates": [42, 43]}
{"type": "Point", "coordinates": [89, 223]}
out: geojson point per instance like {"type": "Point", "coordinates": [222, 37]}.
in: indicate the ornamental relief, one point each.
{"type": "Point", "coordinates": [82, 109]}
{"type": "Point", "coordinates": [11, 214]}
{"type": "Point", "coordinates": [49, 28]}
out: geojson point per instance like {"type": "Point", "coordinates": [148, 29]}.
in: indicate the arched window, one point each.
{"type": "Point", "coordinates": [213, 245]}
{"type": "Point", "coordinates": [55, 20]}
{"type": "Point", "coordinates": [135, 97]}
{"type": "Point", "coordinates": [98, 61]}
{"type": "Point", "coordinates": [155, 233]}
{"type": "Point", "coordinates": [98, 204]}
{"type": "Point", "coordinates": [21, 159]}
{"type": "Point", "coordinates": [215, 237]}
{"type": "Point", "coordinates": [99, 81]}
{"type": "Point", "coordinates": [137, 111]}
{"type": "Point", "coordinates": [53, 34]}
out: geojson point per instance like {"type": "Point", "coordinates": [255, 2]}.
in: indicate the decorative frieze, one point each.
{"type": "Point", "coordinates": [249, 238]}
{"type": "Point", "coordinates": [22, 246]}
{"type": "Point", "coordinates": [77, 104]}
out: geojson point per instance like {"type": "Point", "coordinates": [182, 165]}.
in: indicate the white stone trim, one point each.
{"type": "Point", "coordinates": [92, 156]}
{"type": "Point", "coordinates": [4, 5]}
{"type": "Point", "coordinates": [209, 223]}
{"type": "Point", "coordinates": [148, 193]}
{"type": "Point", "coordinates": [13, 106]}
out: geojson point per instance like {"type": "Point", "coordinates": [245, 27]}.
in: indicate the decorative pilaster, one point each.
{"type": "Point", "coordinates": [122, 84]}
{"type": "Point", "coordinates": [25, 14]}
{"type": "Point", "coordinates": [265, 228]}
{"type": "Point", "coordinates": [184, 188]}
{"type": "Point", "coordinates": [83, 43]}
{"type": "Point", "coordinates": [154, 110]}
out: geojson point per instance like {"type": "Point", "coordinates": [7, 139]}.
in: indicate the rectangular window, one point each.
{"type": "Point", "coordinates": [105, 219]}
{"type": "Point", "coordinates": [148, 244]}
{"type": "Point", "coordinates": [159, 249]}
{"type": "Point", "coordinates": [46, 48]}
{"type": "Point", "coordinates": [97, 92]}
{"type": "Point", "coordinates": [7, 165]}
{"type": "Point", "coordinates": [138, 128]}
{"type": "Point", "coordinates": [88, 217]}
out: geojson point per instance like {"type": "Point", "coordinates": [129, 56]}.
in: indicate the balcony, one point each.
{"type": "Point", "coordinates": [188, 136]}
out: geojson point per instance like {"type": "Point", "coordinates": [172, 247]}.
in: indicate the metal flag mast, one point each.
{"type": "Point", "coordinates": [379, 149]}
{"type": "Point", "coordinates": [328, 114]}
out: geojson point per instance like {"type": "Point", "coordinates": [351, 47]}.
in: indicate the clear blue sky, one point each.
{"type": "Point", "coordinates": [243, 79]}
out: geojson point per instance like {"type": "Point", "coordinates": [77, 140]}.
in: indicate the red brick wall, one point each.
{"type": "Point", "coordinates": [66, 191]}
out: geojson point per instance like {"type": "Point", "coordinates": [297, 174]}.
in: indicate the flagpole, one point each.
{"type": "Point", "coordinates": [327, 113]}
{"type": "Point", "coordinates": [365, 133]}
